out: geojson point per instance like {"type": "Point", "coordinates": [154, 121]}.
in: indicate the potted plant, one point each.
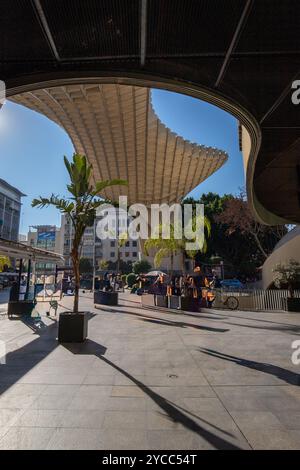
{"type": "Point", "coordinates": [111, 296]}
{"type": "Point", "coordinates": [81, 208]}
{"type": "Point", "coordinates": [288, 275]}
{"type": "Point", "coordinates": [104, 297]}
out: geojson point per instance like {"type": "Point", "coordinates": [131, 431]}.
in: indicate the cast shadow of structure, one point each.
{"type": "Point", "coordinates": [174, 412]}
{"type": "Point", "coordinates": [283, 374]}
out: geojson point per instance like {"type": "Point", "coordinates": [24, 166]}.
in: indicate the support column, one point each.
{"type": "Point", "coordinates": [20, 276]}
{"type": "Point", "coordinates": [28, 280]}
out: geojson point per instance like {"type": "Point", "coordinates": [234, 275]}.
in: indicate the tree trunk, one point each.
{"type": "Point", "coordinates": [183, 263]}
{"type": "Point", "coordinates": [75, 260]}
{"type": "Point", "coordinates": [259, 245]}
{"type": "Point", "coordinates": [118, 261]}
{"type": "Point", "coordinates": [172, 264]}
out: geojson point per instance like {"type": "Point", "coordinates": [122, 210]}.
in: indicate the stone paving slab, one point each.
{"type": "Point", "coordinates": [152, 380]}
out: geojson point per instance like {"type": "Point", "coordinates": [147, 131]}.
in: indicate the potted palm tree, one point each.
{"type": "Point", "coordinates": [111, 297]}
{"type": "Point", "coordinates": [171, 247]}
{"type": "Point", "coordinates": [288, 275]}
{"type": "Point", "coordinates": [81, 208]}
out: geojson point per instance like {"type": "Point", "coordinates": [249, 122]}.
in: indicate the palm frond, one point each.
{"type": "Point", "coordinates": [161, 253]}
{"type": "Point", "coordinates": [79, 171]}
{"type": "Point", "coordinates": [122, 239]}
{"type": "Point", "coordinates": [61, 204]}
{"type": "Point", "coordinates": [151, 243]}
{"type": "Point", "coordinates": [68, 166]}
{"type": "Point", "coordinates": [207, 225]}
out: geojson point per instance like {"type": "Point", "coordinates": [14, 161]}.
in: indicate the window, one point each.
{"type": "Point", "coordinates": [126, 254]}
{"type": "Point", "coordinates": [112, 254]}
{"type": "Point", "coordinates": [112, 244]}
{"type": "Point", "coordinates": [134, 243]}
{"type": "Point", "coordinates": [134, 254]}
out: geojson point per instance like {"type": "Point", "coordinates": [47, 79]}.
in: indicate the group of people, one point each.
{"type": "Point", "coordinates": [197, 285]}
{"type": "Point", "coordinates": [110, 281]}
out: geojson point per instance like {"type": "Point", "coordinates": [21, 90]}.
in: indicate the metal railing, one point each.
{"type": "Point", "coordinates": [255, 299]}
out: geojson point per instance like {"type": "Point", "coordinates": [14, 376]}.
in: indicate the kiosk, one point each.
{"type": "Point", "coordinates": [22, 295]}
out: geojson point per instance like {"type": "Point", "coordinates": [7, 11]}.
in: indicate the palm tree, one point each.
{"type": "Point", "coordinates": [121, 241]}
{"type": "Point", "coordinates": [103, 264]}
{"type": "Point", "coordinates": [164, 247]}
{"type": "Point", "coordinates": [4, 262]}
{"type": "Point", "coordinates": [80, 207]}
{"type": "Point", "coordinates": [172, 246]}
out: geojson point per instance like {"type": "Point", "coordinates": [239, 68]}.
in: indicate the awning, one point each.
{"type": "Point", "coordinates": [20, 250]}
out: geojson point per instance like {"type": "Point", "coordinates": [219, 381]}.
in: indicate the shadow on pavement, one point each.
{"type": "Point", "coordinates": [166, 322]}
{"type": "Point", "coordinates": [173, 411]}
{"type": "Point", "coordinates": [283, 374]}
{"type": "Point", "coordinates": [283, 329]}
{"type": "Point", "coordinates": [20, 361]}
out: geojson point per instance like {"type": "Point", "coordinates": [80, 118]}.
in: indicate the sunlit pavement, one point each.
{"type": "Point", "coordinates": [152, 380]}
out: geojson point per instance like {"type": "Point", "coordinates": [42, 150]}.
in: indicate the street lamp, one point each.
{"type": "Point", "coordinates": [222, 268]}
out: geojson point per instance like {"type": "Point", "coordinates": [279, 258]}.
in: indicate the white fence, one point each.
{"type": "Point", "coordinates": [256, 299]}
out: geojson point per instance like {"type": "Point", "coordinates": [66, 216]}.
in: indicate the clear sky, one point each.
{"type": "Point", "coordinates": [32, 149]}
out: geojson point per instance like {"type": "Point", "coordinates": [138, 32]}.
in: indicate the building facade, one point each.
{"type": "Point", "coordinates": [95, 249]}
{"type": "Point", "coordinates": [46, 237]}
{"type": "Point", "coordinates": [22, 238]}
{"type": "Point", "coordinates": [10, 211]}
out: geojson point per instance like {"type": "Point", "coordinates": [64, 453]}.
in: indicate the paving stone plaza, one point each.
{"type": "Point", "coordinates": [148, 379]}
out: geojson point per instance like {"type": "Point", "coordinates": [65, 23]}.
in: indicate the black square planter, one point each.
{"type": "Point", "coordinates": [20, 307]}
{"type": "Point", "coordinates": [72, 327]}
{"type": "Point", "coordinates": [293, 304]}
{"type": "Point", "coordinates": [106, 298]}
{"type": "Point", "coordinates": [190, 304]}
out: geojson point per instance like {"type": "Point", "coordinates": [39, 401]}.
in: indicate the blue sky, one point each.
{"type": "Point", "coordinates": [32, 147]}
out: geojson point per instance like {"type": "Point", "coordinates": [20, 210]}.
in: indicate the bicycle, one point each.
{"type": "Point", "coordinates": [229, 301]}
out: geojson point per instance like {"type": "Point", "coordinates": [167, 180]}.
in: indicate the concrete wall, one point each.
{"type": "Point", "coordinates": [246, 147]}
{"type": "Point", "coordinates": [287, 248]}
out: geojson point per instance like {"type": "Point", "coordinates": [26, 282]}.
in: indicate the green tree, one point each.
{"type": "Point", "coordinates": [103, 264]}
{"type": "Point", "coordinates": [237, 215]}
{"type": "Point", "coordinates": [213, 205]}
{"type": "Point", "coordinates": [142, 266]}
{"type": "Point", "coordinates": [233, 234]}
{"type": "Point", "coordinates": [125, 266]}
{"type": "Point", "coordinates": [85, 266]}
{"type": "Point", "coordinates": [164, 247]}
{"type": "Point", "coordinates": [4, 263]}
{"type": "Point", "coordinates": [170, 247]}
{"type": "Point", "coordinates": [131, 279]}
{"type": "Point", "coordinates": [287, 275]}
{"type": "Point", "coordinates": [81, 206]}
